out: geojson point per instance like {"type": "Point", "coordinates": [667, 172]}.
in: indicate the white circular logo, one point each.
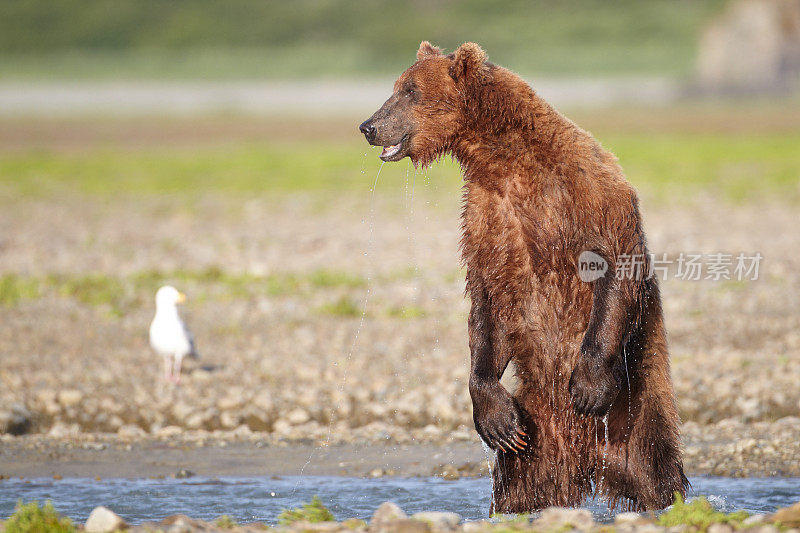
{"type": "Point", "coordinates": [591, 266]}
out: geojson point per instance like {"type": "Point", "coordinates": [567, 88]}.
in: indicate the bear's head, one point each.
{"type": "Point", "coordinates": [429, 106]}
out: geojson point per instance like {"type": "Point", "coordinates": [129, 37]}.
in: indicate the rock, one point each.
{"type": "Point", "coordinates": [168, 432]}
{"type": "Point", "coordinates": [627, 518]}
{"type": "Point", "coordinates": [387, 512]}
{"type": "Point", "coordinates": [406, 525]}
{"type": "Point", "coordinates": [181, 524]}
{"type": "Point", "coordinates": [354, 523]}
{"type": "Point", "coordinates": [131, 431]}
{"type": "Point", "coordinates": [263, 400]}
{"type": "Point", "coordinates": [195, 421]}
{"type": "Point", "coordinates": [788, 516]}
{"type": "Point", "coordinates": [229, 420]}
{"type": "Point", "coordinates": [476, 526]}
{"type": "Point", "coordinates": [431, 431]}
{"type": "Point", "coordinates": [752, 45]}
{"type": "Point", "coordinates": [438, 519]}
{"type": "Point", "coordinates": [320, 527]}
{"type": "Point", "coordinates": [653, 528]}
{"type": "Point", "coordinates": [720, 528]}
{"type": "Point", "coordinates": [243, 431]}
{"type": "Point", "coordinates": [69, 397]}
{"type": "Point", "coordinates": [182, 410]}
{"type": "Point", "coordinates": [764, 529]}
{"type": "Point", "coordinates": [556, 518]}
{"type": "Point", "coordinates": [229, 402]}
{"type": "Point", "coordinates": [104, 520]}
{"type": "Point", "coordinates": [62, 430]}
{"type": "Point", "coordinates": [297, 416]}
{"type": "Point", "coordinates": [282, 427]}
{"type": "Point", "coordinates": [753, 520]}
{"type": "Point", "coordinates": [14, 419]}
{"type": "Point", "coordinates": [681, 528]}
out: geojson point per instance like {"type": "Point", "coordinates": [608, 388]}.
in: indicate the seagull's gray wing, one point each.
{"type": "Point", "coordinates": [189, 337]}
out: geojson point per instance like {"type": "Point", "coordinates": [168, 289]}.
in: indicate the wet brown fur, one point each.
{"type": "Point", "coordinates": [538, 191]}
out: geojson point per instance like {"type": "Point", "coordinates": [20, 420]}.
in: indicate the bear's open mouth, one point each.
{"type": "Point", "coordinates": [394, 152]}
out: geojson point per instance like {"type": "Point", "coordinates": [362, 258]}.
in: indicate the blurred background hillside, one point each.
{"type": "Point", "coordinates": [238, 39]}
{"type": "Point", "coordinates": [213, 145]}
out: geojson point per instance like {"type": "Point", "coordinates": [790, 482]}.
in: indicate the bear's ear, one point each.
{"type": "Point", "coordinates": [470, 61]}
{"type": "Point", "coordinates": [426, 49]}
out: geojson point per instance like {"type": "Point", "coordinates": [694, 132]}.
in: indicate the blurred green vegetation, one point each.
{"type": "Point", "coordinates": [223, 39]}
{"type": "Point", "coordinates": [736, 167]}
{"type": "Point", "coordinates": [33, 518]}
{"type": "Point", "coordinates": [344, 306]}
{"type": "Point", "coordinates": [698, 514]}
{"type": "Point", "coordinates": [120, 294]}
{"type": "Point", "coordinates": [314, 511]}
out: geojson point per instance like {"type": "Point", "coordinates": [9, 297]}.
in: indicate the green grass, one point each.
{"type": "Point", "coordinates": [15, 288]}
{"type": "Point", "coordinates": [344, 306]}
{"type": "Point", "coordinates": [736, 167]}
{"type": "Point", "coordinates": [237, 169]}
{"type": "Point", "coordinates": [204, 39]}
{"type": "Point", "coordinates": [314, 511]}
{"type": "Point", "coordinates": [94, 290]}
{"type": "Point", "coordinates": [699, 513]}
{"type": "Point", "coordinates": [122, 294]}
{"type": "Point", "coordinates": [405, 312]}
{"type": "Point", "coordinates": [31, 518]}
{"type": "Point", "coordinates": [225, 522]}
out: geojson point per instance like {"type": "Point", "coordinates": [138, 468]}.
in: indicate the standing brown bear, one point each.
{"type": "Point", "coordinates": [595, 411]}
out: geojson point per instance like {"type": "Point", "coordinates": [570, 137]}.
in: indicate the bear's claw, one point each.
{"type": "Point", "coordinates": [498, 421]}
{"type": "Point", "coordinates": [593, 387]}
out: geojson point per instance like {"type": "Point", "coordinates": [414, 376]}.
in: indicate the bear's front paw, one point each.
{"type": "Point", "coordinates": [498, 420]}
{"type": "Point", "coordinates": [593, 386]}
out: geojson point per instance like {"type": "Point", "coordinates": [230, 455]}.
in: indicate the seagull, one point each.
{"type": "Point", "coordinates": [169, 336]}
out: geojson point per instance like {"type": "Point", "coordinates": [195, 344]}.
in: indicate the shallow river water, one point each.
{"type": "Point", "coordinates": [248, 499]}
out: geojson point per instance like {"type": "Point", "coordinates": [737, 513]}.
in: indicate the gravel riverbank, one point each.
{"type": "Point", "coordinates": [389, 518]}
{"type": "Point", "coordinates": [728, 448]}
{"type": "Point", "coordinates": [277, 291]}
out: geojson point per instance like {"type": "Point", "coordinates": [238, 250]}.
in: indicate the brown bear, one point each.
{"type": "Point", "coordinates": [595, 412]}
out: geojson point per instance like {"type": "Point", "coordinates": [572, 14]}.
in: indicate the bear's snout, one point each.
{"type": "Point", "coordinates": [368, 129]}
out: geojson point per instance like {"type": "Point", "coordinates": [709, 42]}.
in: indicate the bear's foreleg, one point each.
{"type": "Point", "coordinates": [598, 375]}
{"type": "Point", "coordinates": [497, 416]}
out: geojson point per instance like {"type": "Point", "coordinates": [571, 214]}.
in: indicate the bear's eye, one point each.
{"type": "Point", "coordinates": [409, 91]}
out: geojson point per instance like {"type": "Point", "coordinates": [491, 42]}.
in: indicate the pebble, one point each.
{"type": "Point", "coordinates": [627, 518]}
{"type": "Point", "coordinates": [14, 418]}
{"type": "Point", "coordinates": [556, 518]}
{"type": "Point", "coordinates": [439, 519]}
{"type": "Point", "coordinates": [390, 518]}
{"type": "Point", "coordinates": [298, 416]}
{"type": "Point", "coordinates": [789, 516]}
{"type": "Point", "coordinates": [104, 520]}
{"type": "Point", "coordinates": [720, 528]}
{"type": "Point", "coordinates": [169, 431]}
{"type": "Point", "coordinates": [61, 430]}
{"type": "Point", "coordinates": [69, 397]}
{"type": "Point", "coordinates": [387, 512]}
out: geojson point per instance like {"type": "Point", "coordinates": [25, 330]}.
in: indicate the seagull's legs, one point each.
{"type": "Point", "coordinates": [167, 369]}
{"type": "Point", "coordinates": [176, 369]}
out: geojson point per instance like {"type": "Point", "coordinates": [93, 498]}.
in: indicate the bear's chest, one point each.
{"type": "Point", "coordinates": [509, 236]}
{"type": "Point", "coordinates": [524, 253]}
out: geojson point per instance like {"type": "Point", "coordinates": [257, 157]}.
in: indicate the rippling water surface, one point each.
{"type": "Point", "coordinates": [250, 499]}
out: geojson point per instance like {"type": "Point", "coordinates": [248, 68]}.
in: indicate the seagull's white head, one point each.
{"type": "Point", "coordinates": [168, 296]}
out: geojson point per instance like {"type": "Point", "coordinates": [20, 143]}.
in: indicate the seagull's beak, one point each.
{"type": "Point", "coordinates": [181, 298]}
